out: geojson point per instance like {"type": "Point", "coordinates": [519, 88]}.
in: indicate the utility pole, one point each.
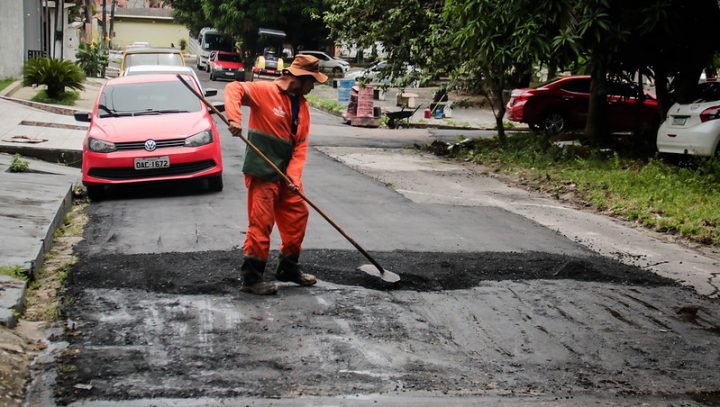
{"type": "Point", "coordinates": [104, 22]}
{"type": "Point", "coordinates": [112, 23]}
{"type": "Point", "coordinates": [88, 20]}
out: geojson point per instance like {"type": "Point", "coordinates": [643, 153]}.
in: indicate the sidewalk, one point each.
{"type": "Point", "coordinates": [462, 118]}
{"type": "Point", "coordinates": [34, 203]}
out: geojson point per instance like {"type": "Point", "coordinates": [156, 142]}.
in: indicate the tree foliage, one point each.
{"type": "Point", "coordinates": [93, 59]}
{"type": "Point", "coordinates": [411, 32]}
{"type": "Point", "coordinates": [240, 19]}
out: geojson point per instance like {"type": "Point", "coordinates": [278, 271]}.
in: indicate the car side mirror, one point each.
{"type": "Point", "coordinates": [82, 116]}
{"type": "Point", "coordinates": [210, 92]}
{"type": "Point", "coordinates": [220, 106]}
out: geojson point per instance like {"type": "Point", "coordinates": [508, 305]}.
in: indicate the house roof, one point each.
{"type": "Point", "coordinates": [150, 13]}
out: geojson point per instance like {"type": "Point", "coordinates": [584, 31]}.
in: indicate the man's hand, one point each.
{"type": "Point", "coordinates": [236, 129]}
{"type": "Point", "coordinates": [291, 186]}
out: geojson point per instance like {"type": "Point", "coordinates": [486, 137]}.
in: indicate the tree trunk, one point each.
{"type": "Point", "coordinates": [500, 111]}
{"type": "Point", "coordinates": [111, 34]}
{"type": "Point", "coordinates": [661, 91]}
{"type": "Point", "coordinates": [596, 127]}
{"type": "Point", "coordinates": [552, 70]}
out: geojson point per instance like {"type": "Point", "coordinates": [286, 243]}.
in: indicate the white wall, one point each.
{"type": "Point", "coordinates": [11, 38]}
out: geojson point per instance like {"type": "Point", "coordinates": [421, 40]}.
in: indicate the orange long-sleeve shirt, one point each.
{"type": "Point", "coordinates": [271, 114]}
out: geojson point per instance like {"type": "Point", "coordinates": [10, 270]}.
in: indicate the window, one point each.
{"type": "Point", "coordinates": [577, 86]}
{"type": "Point", "coordinates": [148, 96]}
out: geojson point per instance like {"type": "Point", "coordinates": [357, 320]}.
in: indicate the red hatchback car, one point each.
{"type": "Point", "coordinates": [562, 104]}
{"type": "Point", "coordinates": [149, 128]}
{"type": "Point", "coordinates": [227, 65]}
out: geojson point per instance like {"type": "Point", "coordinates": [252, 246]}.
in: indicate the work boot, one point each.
{"type": "Point", "coordinates": [289, 271]}
{"type": "Point", "coordinates": [251, 273]}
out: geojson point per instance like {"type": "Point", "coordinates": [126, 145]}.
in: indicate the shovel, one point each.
{"type": "Point", "coordinates": [374, 269]}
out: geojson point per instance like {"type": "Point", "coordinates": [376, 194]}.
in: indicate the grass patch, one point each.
{"type": "Point", "coordinates": [46, 296]}
{"type": "Point", "coordinates": [68, 99]}
{"type": "Point", "coordinates": [4, 83]}
{"type": "Point", "coordinates": [15, 272]}
{"type": "Point", "coordinates": [327, 105]}
{"type": "Point", "coordinates": [665, 197]}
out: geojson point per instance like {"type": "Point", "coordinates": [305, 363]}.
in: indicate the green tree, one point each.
{"type": "Point", "coordinates": [498, 42]}
{"type": "Point", "coordinates": [241, 20]}
{"type": "Point", "coordinates": [93, 59]}
{"type": "Point", "coordinates": [410, 32]}
{"type": "Point", "coordinates": [55, 74]}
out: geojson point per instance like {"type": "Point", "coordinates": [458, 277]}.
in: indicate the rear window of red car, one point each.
{"type": "Point", "coordinates": [228, 57]}
{"type": "Point", "coordinates": [577, 86]}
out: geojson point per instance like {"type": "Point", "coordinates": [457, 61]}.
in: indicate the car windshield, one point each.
{"type": "Point", "coordinates": [229, 57]}
{"type": "Point", "coordinates": [135, 99]}
{"type": "Point", "coordinates": [153, 59]}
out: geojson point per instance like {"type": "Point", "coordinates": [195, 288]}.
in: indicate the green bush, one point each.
{"type": "Point", "coordinates": [93, 59]}
{"type": "Point", "coordinates": [55, 74]}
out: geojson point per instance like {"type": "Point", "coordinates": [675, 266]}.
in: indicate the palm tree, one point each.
{"type": "Point", "coordinates": [55, 74]}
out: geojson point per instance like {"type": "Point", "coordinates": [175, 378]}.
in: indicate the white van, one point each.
{"type": "Point", "coordinates": [210, 39]}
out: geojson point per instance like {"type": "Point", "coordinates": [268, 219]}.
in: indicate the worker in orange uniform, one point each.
{"type": "Point", "coordinates": [279, 127]}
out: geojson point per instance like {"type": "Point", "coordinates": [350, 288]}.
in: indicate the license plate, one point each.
{"type": "Point", "coordinates": [230, 73]}
{"type": "Point", "coordinates": [152, 163]}
{"type": "Point", "coordinates": [679, 121]}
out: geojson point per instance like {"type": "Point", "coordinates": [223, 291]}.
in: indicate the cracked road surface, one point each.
{"type": "Point", "coordinates": [492, 307]}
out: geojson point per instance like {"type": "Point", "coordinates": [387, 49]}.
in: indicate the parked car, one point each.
{"type": "Point", "coordinates": [226, 65]}
{"type": "Point", "coordinates": [562, 104]}
{"type": "Point", "coordinates": [334, 66]}
{"type": "Point", "coordinates": [377, 73]}
{"type": "Point", "coordinates": [693, 127]}
{"type": "Point", "coordinates": [149, 128]}
{"type": "Point", "coordinates": [151, 56]}
{"type": "Point", "coordinates": [168, 69]}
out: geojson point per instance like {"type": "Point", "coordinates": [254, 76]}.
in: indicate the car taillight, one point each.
{"type": "Point", "coordinates": [517, 99]}
{"type": "Point", "coordinates": [711, 113]}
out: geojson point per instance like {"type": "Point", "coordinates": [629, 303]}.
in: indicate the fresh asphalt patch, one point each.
{"type": "Point", "coordinates": [218, 272]}
{"type": "Point", "coordinates": [175, 325]}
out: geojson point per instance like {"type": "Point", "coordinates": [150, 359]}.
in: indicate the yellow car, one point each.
{"type": "Point", "coordinates": [151, 56]}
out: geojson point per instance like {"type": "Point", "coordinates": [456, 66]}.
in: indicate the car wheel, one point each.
{"type": "Point", "coordinates": [95, 192]}
{"type": "Point", "coordinates": [212, 77]}
{"type": "Point", "coordinates": [215, 184]}
{"type": "Point", "coordinates": [554, 123]}
{"type": "Point", "coordinates": [337, 71]}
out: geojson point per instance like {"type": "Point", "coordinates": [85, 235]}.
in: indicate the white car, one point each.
{"type": "Point", "coordinates": [168, 69]}
{"type": "Point", "coordinates": [693, 128]}
{"type": "Point", "coordinates": [376, 73]}
{"type": "Point", "coordinates": [329, 64]}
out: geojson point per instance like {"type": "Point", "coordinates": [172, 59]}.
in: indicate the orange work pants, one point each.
{"type": "Point", "coordinates": [271, 202]}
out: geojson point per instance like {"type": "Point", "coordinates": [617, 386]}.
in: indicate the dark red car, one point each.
{"type": "Point", "coordinates": [562, 105]}
{"type": "Point", "coordinates": [225, 65]}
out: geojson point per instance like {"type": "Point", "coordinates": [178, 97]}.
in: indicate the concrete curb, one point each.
{"type": "Point", "coordinates": [12, 302]}
{"type": "Point", "coordinates": [72, 158]}
{"type": "Point", "coordinates": [66, 111]}
{"type": "Point", "coordinates": [12, 88]}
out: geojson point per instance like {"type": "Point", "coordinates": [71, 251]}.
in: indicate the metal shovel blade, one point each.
{"type": "Point", "coordinates": [386, 275]}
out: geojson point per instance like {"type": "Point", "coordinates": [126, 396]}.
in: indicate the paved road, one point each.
{"type": "Point", "coordinates": [492, 307]}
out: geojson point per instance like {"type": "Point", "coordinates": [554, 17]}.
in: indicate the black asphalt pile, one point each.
{"type": "Point", "coordinates": [217, 272]}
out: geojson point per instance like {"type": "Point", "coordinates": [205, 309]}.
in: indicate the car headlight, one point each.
{"type": "Point", "coordinates": [100, 146]}
{"type": "Point", "coordinates": [199, 139]}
